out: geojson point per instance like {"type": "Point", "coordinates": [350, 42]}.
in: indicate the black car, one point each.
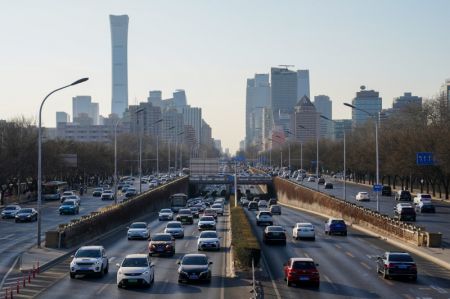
{"type": "Point", "coordinates": [253, 205]}
{"type": "Point", "coordinates": [272, 202]}
{"type": "Point", "coordinates": [405, 214]}
{"type": "Point", "coordinates": [194, 267]}
{"type": "Point", "coordinates": [27, 214]}
{"type": "Point", "coordinates": [185, 216]}
{"type": "Point", "coordinates": [425, 208]}
{"type": "Point", "coordinates": [403, 195]}
{"type": "Point", "coordinates": [274, 234]}
{"type": "Point", "coordinates": [328, 186]}
{"type": "Point", "coordinates": [397, 264]}
{"type": "Point", "coordinates": [386, 191]}
{"type": "Point", "coordinates": [321, 181]}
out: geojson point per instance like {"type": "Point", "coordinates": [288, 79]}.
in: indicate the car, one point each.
{"type": "Point", "coordinates": [244, 202]}
{"type": "Point", "coordinates": [275, 210]}
{"type": "Point", "coordinates": [185, 216]}
{"type": "Point", "coordinates": [131, 192]}
{"type": "Point", "coordinates": [107, 195]}
{"type": "Point", "coordinates": [97, 192]}
{"type": "Point", "coordinates": [206, 223]}
{"type": "Point", "coordinates": [396, 264]}
{"type": "Point", "coordinates": [321, 181]}
{"type": "Point", "coordinates": [125, 188]}
{"type": "Point", "coordinates": [138, 230]}
{"type": "Point", "coordinates": [335, 226]}
{"type": "Point", "coordinates": [362, 196]}
{"type": "Point", "coordinates": [135, 270]}
{"type": "Point", "coordinates": [208, 239]}
{"type": "Point", "coordinates": [218, 207]}
{"type": "Point", "coordinates": [264, 218]}
{"type": "Point", "coordinates": [153, 183]}
{"type": "Point", "coordinates": [165, 214]}
{"type": "Point", "coordinates": [301, 270]}
{"type": "Point", "coordinates": [303, 230]}
{"type": "Point", "coordinates": [65, 195]}
{"type": "Point", "coordinates": [386, 191]}
{"type": "Point", "coordinates": [175, 228]}
{"type": "Point", "coordinates": [162, 244]}
{"type": "Point", "coordinates": [311, 179]}
{"type": "Point", "coordinates": [194, 267]}
{"type": "Point", "coordinates": [195, 212]}
{"type": "Point", "coordinates": [75, 198]}
{"type": "Point", "coordinates": [10, 211]}
{"type": "Point", "coordinates": [242, 199]}
{"type": "Point", "coordinates": [26, 214]}
{"type": "Point", "coordinates": [89, 260]}
{"type": "Point", "coordinates": [403, 195]}
{"type": "Point", "coordinates": [328, 186]}
{"type": "Point", "coordinates": [69, 206]}
{"type": "Point", "coordinates": [425, 207]}
{"type": "Point", "coordinates": [253, 205]}
{"type": "Point", "coordinates": [262, 204]}
{"type": "Point", "coordinates": [273, 201]}
{"type": "Point", "coordinates": [210, 212]}
{"type": "Point", "coordinates": [274, 234]}
{"type": "Point", "coordinates": [405, 212]}
{"type": "Point", "coordinates": [200, 207]}
{"type": "Point", "coordinates": [421, 197]}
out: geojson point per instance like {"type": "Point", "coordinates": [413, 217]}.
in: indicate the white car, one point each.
{"type": "Point", "coordinates": [311, 179]}
{"type": "Point", "coordinates": [138, 230]}
{"type": "Point", "coordinates": [421, 197]}
{"type": "Point", "coordinates": [264, 217]}
{"type": "Point", "coordinates": [218, 208]}
{"type": "Point", "coordinates": [107, 195]}
{"type": "Point", "coordinates": [304, 230]}
{"type": "Point", "coordinates": [75, 198]}
{"type": "Point", "coordinates": [89, 260]}
{"type": "Point", "coordinates": [175, 228]}
{"type": "Point", "coordinates": [66, 194]}
{"type": "Point", "coordinates": [10, 211]}
{"type": "Point", "coordinates": [206, 223]}
{"type": "Point", "coordinates": [208, 239]}
{"type": "Point", "coordinates": [165, 214]}
{"type": "Point", "coordinates": [262, 204]}
{"type": "Point", "coordinates": [135, 270]}
{"type": "Point", "coordinates": [363, 196]}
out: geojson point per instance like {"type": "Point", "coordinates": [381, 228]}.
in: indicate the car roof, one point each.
{"type": "Point", "coordinates": [195, 254]}
{"type": "Point", "coordinates": [137, 255]}
{"type": "Point", "coordinates": [303, 223]}
{"type": "Point", "coordinates": [397, 252]}
{"type": "Point", "coordinates": [335, 219]}
{"type": "Point", "coordinates": [98, 247]}
{"type": "Point", "coordinates": [302, 259]}
{"type": "Point", "coordinates": [141, 222]}
{"type": "Point", "coordinates": [174, 222]}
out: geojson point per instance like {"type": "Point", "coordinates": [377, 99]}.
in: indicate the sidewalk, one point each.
{"type": "Point", "coordinates": [43, 257]}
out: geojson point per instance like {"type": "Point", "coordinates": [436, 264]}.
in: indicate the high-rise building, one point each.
{"type": "Point", "coordinates": [119, 44]}
{"type": "Point", "coordinates": [339, 126]}
{"type": "Point", "coordinates": [148, 120]}
{"type": "Point", "coordinates": [302, 84]}
{"type": "Point", "coordinates": [284, 86]}
{"type": "Point", "coordinates": [193, 116]}
{"type": "Point", "coordinates": [304, 124]}
{"type": "Point", "coordinates": [84, 105]}
{"type": "Point", "coordinates": [324, 107]}
{"type": "Point", "coordinates": [206, 136]}
{"type": "Point", "coordinates": [405, 100]}
{"type": "Point", "coordinates": [367, 100]}
{"type": "Point", "coordinates": [172, 126]}
{"type": "Point", "coordinates": [445, 91]}
{"type": "Point", "coordinates": [62, 117]}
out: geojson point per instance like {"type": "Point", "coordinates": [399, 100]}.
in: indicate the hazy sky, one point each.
{"type": "Point", "coordinates": [209, 48]}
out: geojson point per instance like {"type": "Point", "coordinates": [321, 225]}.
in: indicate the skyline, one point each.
{"type": "Point", "coordinates": [406, 46]}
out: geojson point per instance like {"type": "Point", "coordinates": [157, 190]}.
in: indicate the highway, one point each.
{"type": "Point", "coordinates": [347, 265]}
{"type": "Point", "coordinates": [438, 222]}
{"type": "Point", "coordinates": [166, 277]}
{"type": "Point", "coordinates": [15, 238]}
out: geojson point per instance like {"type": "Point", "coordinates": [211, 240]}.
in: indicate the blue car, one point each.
{"type": "Point", "coordinates": [335, 226]}
{"type": "Point", "coordinates": [69, 207]}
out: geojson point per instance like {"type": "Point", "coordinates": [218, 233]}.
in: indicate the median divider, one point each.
{"type": "Point", "coordinates": [98, 223]}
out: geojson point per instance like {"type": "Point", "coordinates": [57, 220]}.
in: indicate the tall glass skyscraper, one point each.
{"type": "Point", "coordinates": [283, 95]}
{"type": "Point", "coordinates": [368, 100]}
{"type": "Point", "coordinates": [119, 44]}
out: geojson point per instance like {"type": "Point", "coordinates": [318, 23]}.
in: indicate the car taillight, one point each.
{"type": "Point", "coordinates": [152, 246]}
{"type": "Point", "coordinates": [390, 265]}
{"type": "Point", "coordinates": [168, 246]}
{"type": "Point", "coordinates": [413, 266]}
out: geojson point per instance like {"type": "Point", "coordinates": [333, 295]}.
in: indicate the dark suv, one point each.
{"type": "Point", "coordinates": [386, 191]}
{"type": "Point", "coordinates": [406, 213]}
{"type": "Point", "coordinates": [397, 264]}
{"type": "Point", "coordinates": [403, 195]}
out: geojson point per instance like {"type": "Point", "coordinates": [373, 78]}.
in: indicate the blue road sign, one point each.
{"type": "Point", "coordinates": [230, 178]}
{"type": "Point", "coordinates": [424, 158]}
{"type": "Point", "coordinates": [377, 188]}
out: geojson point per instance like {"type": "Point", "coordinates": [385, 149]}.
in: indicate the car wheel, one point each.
{"type": "Point", "coordinates": [288, 283]}
{"type": "Point", "coordinates": [316, 285]}
{"type": "Point", "coordinates": [60, 213]}
{"type": "Point", "coordinates": [119, 285]}
{"type": "Point", "coordinates": [106, 270]}
{"type": "Point", "coordinates": [72, 275]}
{"type": "Point", "coordinates": [414, 278]}
{"type": "Point", "coordinates": [385, 275]}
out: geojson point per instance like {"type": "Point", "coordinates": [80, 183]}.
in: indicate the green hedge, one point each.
{"type": "Point", "coordinates": [245, 245]}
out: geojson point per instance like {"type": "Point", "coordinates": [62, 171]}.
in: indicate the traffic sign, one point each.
{"type": "Point", "coordinates": [377, 188]}
{"type": "Point", "coordinates": [424, 158]}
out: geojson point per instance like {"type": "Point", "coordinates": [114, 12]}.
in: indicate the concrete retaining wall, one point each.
{"type": "Point", "coordinates": [111, 217]}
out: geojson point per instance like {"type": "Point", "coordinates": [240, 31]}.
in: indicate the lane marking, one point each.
{"type": "Point", "coordinates": [388, 282]}
{"type": "Point", "coordinates": [186, 245]}
{"type": "Point", "coordinates": [270, 276]}
{"type": "Point", "coordinates": [9, 272]}
{"type": "Point", "coordinates": [7, 236]}
{"type": "Point", "coordinates": [366, 266]}
{"type": "Point", "coordinates": [111, 259]}
{"type": "Point", "coordinates": [408, 296]}
{"type": "Point", "coordinates": [306, 255]}
{"type": "Point", "coordinates": [349, 254]}
{"type": "Point", "coordinates": [337, 246]}
{"type": "Point", "coordinates": [438, 289]}
{"type": "Point", "coordinates": [330, 282]}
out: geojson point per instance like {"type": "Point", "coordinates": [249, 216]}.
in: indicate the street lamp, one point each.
{"type": "Point", "coordinates": [157, 146]}
{"type": "Point", "coordinates": [140, 148]}
{"type": "Point", "coordinates": [39, 182]}
{"type": "Point", "coordinates": [301, 149]}
{"type": "Point", "coordinates": [168, 144]}
{"type": "Point", "coordinates": [345, 178]}
{"type": "Point", "coordinates": [176, 148]}
{"type": "Point", "coordinates": [376, 147]}
{"type": "Point", "coordinates": [289, 146]}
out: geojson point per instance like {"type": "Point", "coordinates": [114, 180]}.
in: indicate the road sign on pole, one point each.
{"type": "Point", "coordinates": [424, 158]}
{"type": "Point", "coordinates": [377, 187]}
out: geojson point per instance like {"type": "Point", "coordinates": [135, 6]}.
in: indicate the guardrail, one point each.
{"type": "Point", "coordinates": [229, 179]}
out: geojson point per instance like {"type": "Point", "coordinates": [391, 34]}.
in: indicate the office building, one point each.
{"type": "Point", "coordinates": [148, 120]}
{"type": "Point", "coordinates": [89, 132]}
{"type": "Point", "coordinates": [407, 99]}
{"type": "Point", "coordinates": [303, 84]}
{"type": "Point", "coordinates": [119, 45]}
{"type": "Point", "coordinates": [283, 94]}
{"type": "Point", "coordinates": [305, 121]}
{"type": "Point", "coordinates": [339, 126]}
{"type": "Point", "coordinates": [367, 100]}
{"type": "Point", "coordinates": [82, 107]}
{"type": "Point", "coordinates": [324, 107]}
{"type": "Point", "coordinates": [193, 116]}
{"type": "Point", "coordinates": [171, 126]}
{"type": "Point", "coordinates": [62, 117]}
{"type": "Point", "coordinates": [206, 135]}
{"type": "Point", "coordinates": [445, 92]}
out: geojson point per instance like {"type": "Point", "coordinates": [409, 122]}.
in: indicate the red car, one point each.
{"type": "Point", "coordinates": [162, 244]}
{"type": "Point", "coordinates": [300, 270]}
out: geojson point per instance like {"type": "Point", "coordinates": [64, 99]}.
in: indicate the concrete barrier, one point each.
{"type": "Point", "coordinates": [97, 223]}
{"type": "Point", "coordinates": [299, 196]}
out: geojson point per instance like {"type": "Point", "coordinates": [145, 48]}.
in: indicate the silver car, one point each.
{"type": "Point", "coordinates": [175, 228]}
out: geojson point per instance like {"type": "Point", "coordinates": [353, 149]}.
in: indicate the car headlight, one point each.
{"type": "Point", "coordinates": [28, 216]}
{"type": "Point", "coordinates": [182, 272]}
{"type": "Point", "coordinates": [145, 273]}
{"type": "Point", "coordinates": [120, 272]}
{"type": "Point", "coordinates": [204, 272]}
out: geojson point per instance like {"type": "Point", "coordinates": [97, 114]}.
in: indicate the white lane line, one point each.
{"type": "Point", "coordinates": [7, 236]}
{"type": "Point", "coordinates": [7, 273]}
{"type": "Point", "coordinates": [186, 245]}
{"type": "Point", "coordinates": [365, 266]}
{"type": "Point", "coordinates": [438, 289]}
{"type": "Point", "coordinates": [271, 276]}
{"type": "Point", "coordinates": [330, 282]}
{"type": "Point", "coordinates": [112, 259]}
{"type": "Point", "coordinates": [349, 254]}
{"type": "Point", "coordinates": [306, 255]}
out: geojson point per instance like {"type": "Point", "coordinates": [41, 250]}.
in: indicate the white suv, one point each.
{"type": "Point", "coordinates": [89, 260]}
{"type": "Point", "coordinates": [218, 208]}
{"type": "Point", "coordinates": [264, 217]}
{"type": "Point", "coordinates": [135, 269]}
{"type": "Point", "coordinates": [421, 197]}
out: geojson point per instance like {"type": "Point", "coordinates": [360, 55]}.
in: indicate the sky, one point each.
{"type": "Point", "coordinates": [209, 48]}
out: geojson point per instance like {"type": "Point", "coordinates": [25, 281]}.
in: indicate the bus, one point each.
{"type": "Point", "coordinates": [178, 201]}
{"type": "Point", "coordinates": [53, 190]}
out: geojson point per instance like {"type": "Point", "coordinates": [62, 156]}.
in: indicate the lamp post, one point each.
{"type": "Point", "coordinates": [176, 148]}
{"type": "Point", "coordinates": [301, 149]}
{"type": "Point", "coordinates": [345, 178]}
{"type": "Point", "coordinates": [157, 146]}
{"type": "Point", "coordinates": [289, 144]}
{"type": "Point", "coordinates": [140, 148]}
{"type": "Point", "coordinates": [168, 144]}
{"type": "Point", "coordinates": [376, 147]}
{"type": "Point", "coordinates": [39, 182]}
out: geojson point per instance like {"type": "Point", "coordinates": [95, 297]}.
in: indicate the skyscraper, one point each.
{"type": "Point", "coordinates": [119, 44]}
{"type": "Point", "coordinates": [302, 84]}
{"type": "Point", "coordinates": [305, 121]}
{"type": "Point", "coordinates": [284, 84]}
{"type": "Point", "coordinates": [324, 107]}
{"type": "Point", "coordinates": [405, 100]}
{"type": "Point", "coordinates": [62, 117]}
{"type": "Point", "coordinates": [368, 100]}
{"type": "Point", "coordinates": [445, 92]}
{"type": "Point", "coordinates": [83, 105]}
{"type": "Point", "coordinates": [193, 116]}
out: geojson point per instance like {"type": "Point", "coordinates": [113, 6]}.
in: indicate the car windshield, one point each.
{"type": "Point", "coordinates": [305, 225]}
{"type": "Point", "coordinates": [425, 196]}
{"type": "Point", "coordinates": [184, 212]}
{"type": "Point", "coordinates": [88, 253]}
{"type": "Point", "coordinates": [138, 225]}
{"type": "Point", "coordinates": [68, 203]}
{"type": "Point", "coordinates": [194, 209]}
{"type": "Point", "coordinates": [363, 193]}
{"type": "Point", "coordinates": [194, 260]}
{"type": "Point", "coordinates": [72, 197]}
{"type": "Point", "coordinates": [25, 211]}
{"type": "Point", "coordinates": [67, 193]}
{"type": "Point", "coordinates": [275, 229]}
{"type": "Point", "coordinates": [162, 237]}
{"type": "Point", "coordinates": [207, 218]}
{"type": "Point", "coordinates": [264, 214]}
{"type": "Point", "coordinates": [208, 235]}
{"type": "Point", "coordinates": [135, 262]}
{"type": "Point", "coordinates": [216, 206]}
{"type": "Point", "coordinates": [275, 208]}
{"type": "Point", "coordinates": [400, 258]}
{"type": "Point", "coordinates": [10, 208]}
{"type": "Point", "coordinates": [174, 225]}
{"type": "Point", "coordinates": [166, 211]}
{"type": "Point", "coordinates": [337, 222]}
{"type": "Point", "coordinates": [98, 189]}
{"type": "Point", "coordinates": [303, 265]}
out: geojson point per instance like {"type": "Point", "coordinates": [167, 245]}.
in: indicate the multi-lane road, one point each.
{"type": "Point", "coordinates": [347, 265]}
{"type": "Point", "coordinates": [438, 222]}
